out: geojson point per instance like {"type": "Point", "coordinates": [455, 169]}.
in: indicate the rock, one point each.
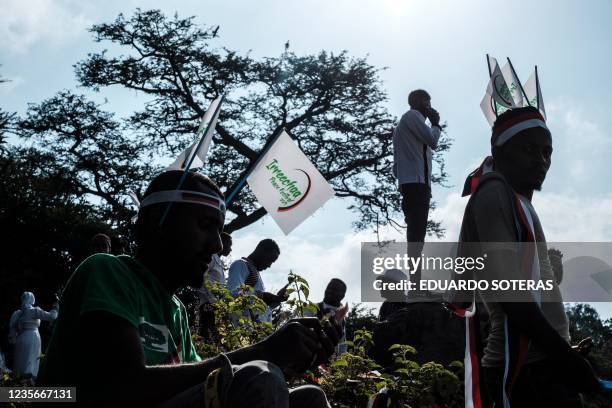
{"type": "Point", "coordinates": [436, 333]}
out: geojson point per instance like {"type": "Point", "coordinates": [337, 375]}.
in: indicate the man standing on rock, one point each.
{"type": "Point", "coordinates": [413, 142]}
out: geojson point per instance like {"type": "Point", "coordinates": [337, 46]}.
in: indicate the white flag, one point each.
{"type": "Point", "coordinates": [534, 93]}
{"type": "Point", "coordinates": [288, 185]}
{"type": "Point", "coordinates": [210, 116]}
{"type": "Point", "coordinates": [514, 85]}
{"type": "Point", "coordinates": [487, 108]}
{"type": "Point", "coordinates": [499, 88]}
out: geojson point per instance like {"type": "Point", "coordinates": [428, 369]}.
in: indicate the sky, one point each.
{"type": "Point", "coordinates": [437, 45]}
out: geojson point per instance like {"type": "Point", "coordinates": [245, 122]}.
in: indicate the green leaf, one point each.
{"type": "Point", "coordinates": [340, 363]}
{"type": "Point", "coordinates": [298, 278]}
{"type": "Point", "coordinates": [305, 290]}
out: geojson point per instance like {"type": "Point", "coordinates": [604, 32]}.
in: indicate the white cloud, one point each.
{"type": "Point", "coordinates": [581, 147]}
{"type": "Point", "coordinates": [449, 213]}
{"type": "Point", "coordinates": [575, 218]}
{"type": "Point", "coordinates": [24, 23]}
{"type": "Point", "coordinates": [564, 218]}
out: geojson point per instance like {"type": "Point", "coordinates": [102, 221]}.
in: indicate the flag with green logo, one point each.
{"type": "Point", "coordinates": [513, 84]}
{"type": "Point", "coordinates": [503, 91]}
{"type": "Point", "coordinates": [534, 93]}
{"type": "Point", "coordinates": [288, 185]}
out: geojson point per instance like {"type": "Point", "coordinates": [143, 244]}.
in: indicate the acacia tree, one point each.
{"type": "Point", "coordinates": [331, 104]}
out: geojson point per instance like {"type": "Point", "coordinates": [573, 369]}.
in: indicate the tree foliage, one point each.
{"type": "Point", "coordinates": [47, 227]}
{"type": "Point", "coordinates": [101, 161]}
{"type": "Point", "coordinates": [331, 104]}
{"type": "Point", "coordinates": [7, 120]}
{"type": "Point", "coordinates": [586, 322]}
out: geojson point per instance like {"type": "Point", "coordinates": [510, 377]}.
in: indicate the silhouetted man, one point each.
{"type": "Point", "coordinates": [394, 299]}
{"type": "Point", "coordinates": [413, 142]}
{"type": "Point", "coordinates": [332, 304]}
{"type": "Point", "coordinates": [215, 275]}
{"type": "Point", "coordinates": [246, 271]}
{"type": "Point", "coordinates": [528, 360]}
{"type": "Point", "coordinates": [122, 336]}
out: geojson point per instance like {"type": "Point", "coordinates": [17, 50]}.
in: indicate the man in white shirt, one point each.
{"type": "Point", "coordinates": [215, 272]}
{"type": "Point", "coordinates": [246, 271]}
{"type": "Point", "coordinates": [413, 142]}
{"type": "Point", "coordinates": [214, 275]}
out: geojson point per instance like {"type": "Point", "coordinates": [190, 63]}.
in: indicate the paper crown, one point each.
{"type": "Point", "coordinates": [504, 91]}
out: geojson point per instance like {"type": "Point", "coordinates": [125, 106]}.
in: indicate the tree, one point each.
{"type": "Point", "coordinates": [585, 322]}
{"type": "Point", "coordinates": [330, 103]}
{"type": "Point", "coordinates": [6, 121]}
{"type": "Point", "coordinates": [101, 160]}
{"type": "Point", "coordinates": [47, 226]}
{"type": "Point", "coordinates": [82, 159]}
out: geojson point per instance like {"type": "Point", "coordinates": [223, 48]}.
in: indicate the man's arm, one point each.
{"type": "Point", "coordinates": [494, 220]}
{"type": "Point", "coordinates": [44, 315]}
{"type": "Point", "coordinates": [520, 307]}
{"type": "Point", "coordinates": [115, 370]}
{"type": "Point", "coordinates": [528, 318]}
{"type": "Point", "coordinates": [271, 298]}
{"type": "Point", "coordinates": [427, 135]}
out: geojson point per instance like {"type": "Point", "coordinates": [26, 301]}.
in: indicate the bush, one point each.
{"type": "Point", "coordinates": [354, 378]}
{"type": "Point", "coordinates": [350, 380]}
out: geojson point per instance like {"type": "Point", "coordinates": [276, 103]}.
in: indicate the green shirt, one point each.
{"type": "Point", "coordinates": [124, 287]}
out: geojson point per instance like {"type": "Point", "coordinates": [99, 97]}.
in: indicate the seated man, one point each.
{"type": "Point", "coordinates": [246, 271]}
{"type": "Point", "coordinates": [122, 336]}
{"type": "Point", "coordinates": [214, 275]}
{"type": "Point", "coordinates": [394, 299]}
{"type": "Point", "coordinates": [331, 306]}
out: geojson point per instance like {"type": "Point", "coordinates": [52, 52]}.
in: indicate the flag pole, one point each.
{"type": "Point", "coordinates": [519, 81]}
{"type": "Point", "coordinates": [490, 75]}
{"type": "Point", "coordinates": [193, 155]}
{"type": "Point", "coordinates": [239, 185]}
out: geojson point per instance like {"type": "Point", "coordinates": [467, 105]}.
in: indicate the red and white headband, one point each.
{"type": "Point", "coordinates": [510, 129]}
{"type": "Point", "coordinates": [185, 196]}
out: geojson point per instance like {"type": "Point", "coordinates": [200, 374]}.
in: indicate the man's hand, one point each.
{"type": "Point", "coordinates": [584, 347]}
{"type": "Point", "coordinates": [283, 293]}
{"type": "Point", "coordinates": [300, 344]}
{"type": "Point", "coordinates": [341, 313]}
{"type": "Point", "coordinates": [434, 117]}
{"type": "Point", "coordinates": [271, 298]}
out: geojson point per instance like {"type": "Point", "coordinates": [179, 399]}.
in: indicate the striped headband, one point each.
{"type": "Point", "coordinates": [185, 196]}
{"type": "Point", "coordinates": [511, 128]}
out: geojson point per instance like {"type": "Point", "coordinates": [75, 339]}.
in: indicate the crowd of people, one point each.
{"type": "Point", "coordinates": [120, 323]}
